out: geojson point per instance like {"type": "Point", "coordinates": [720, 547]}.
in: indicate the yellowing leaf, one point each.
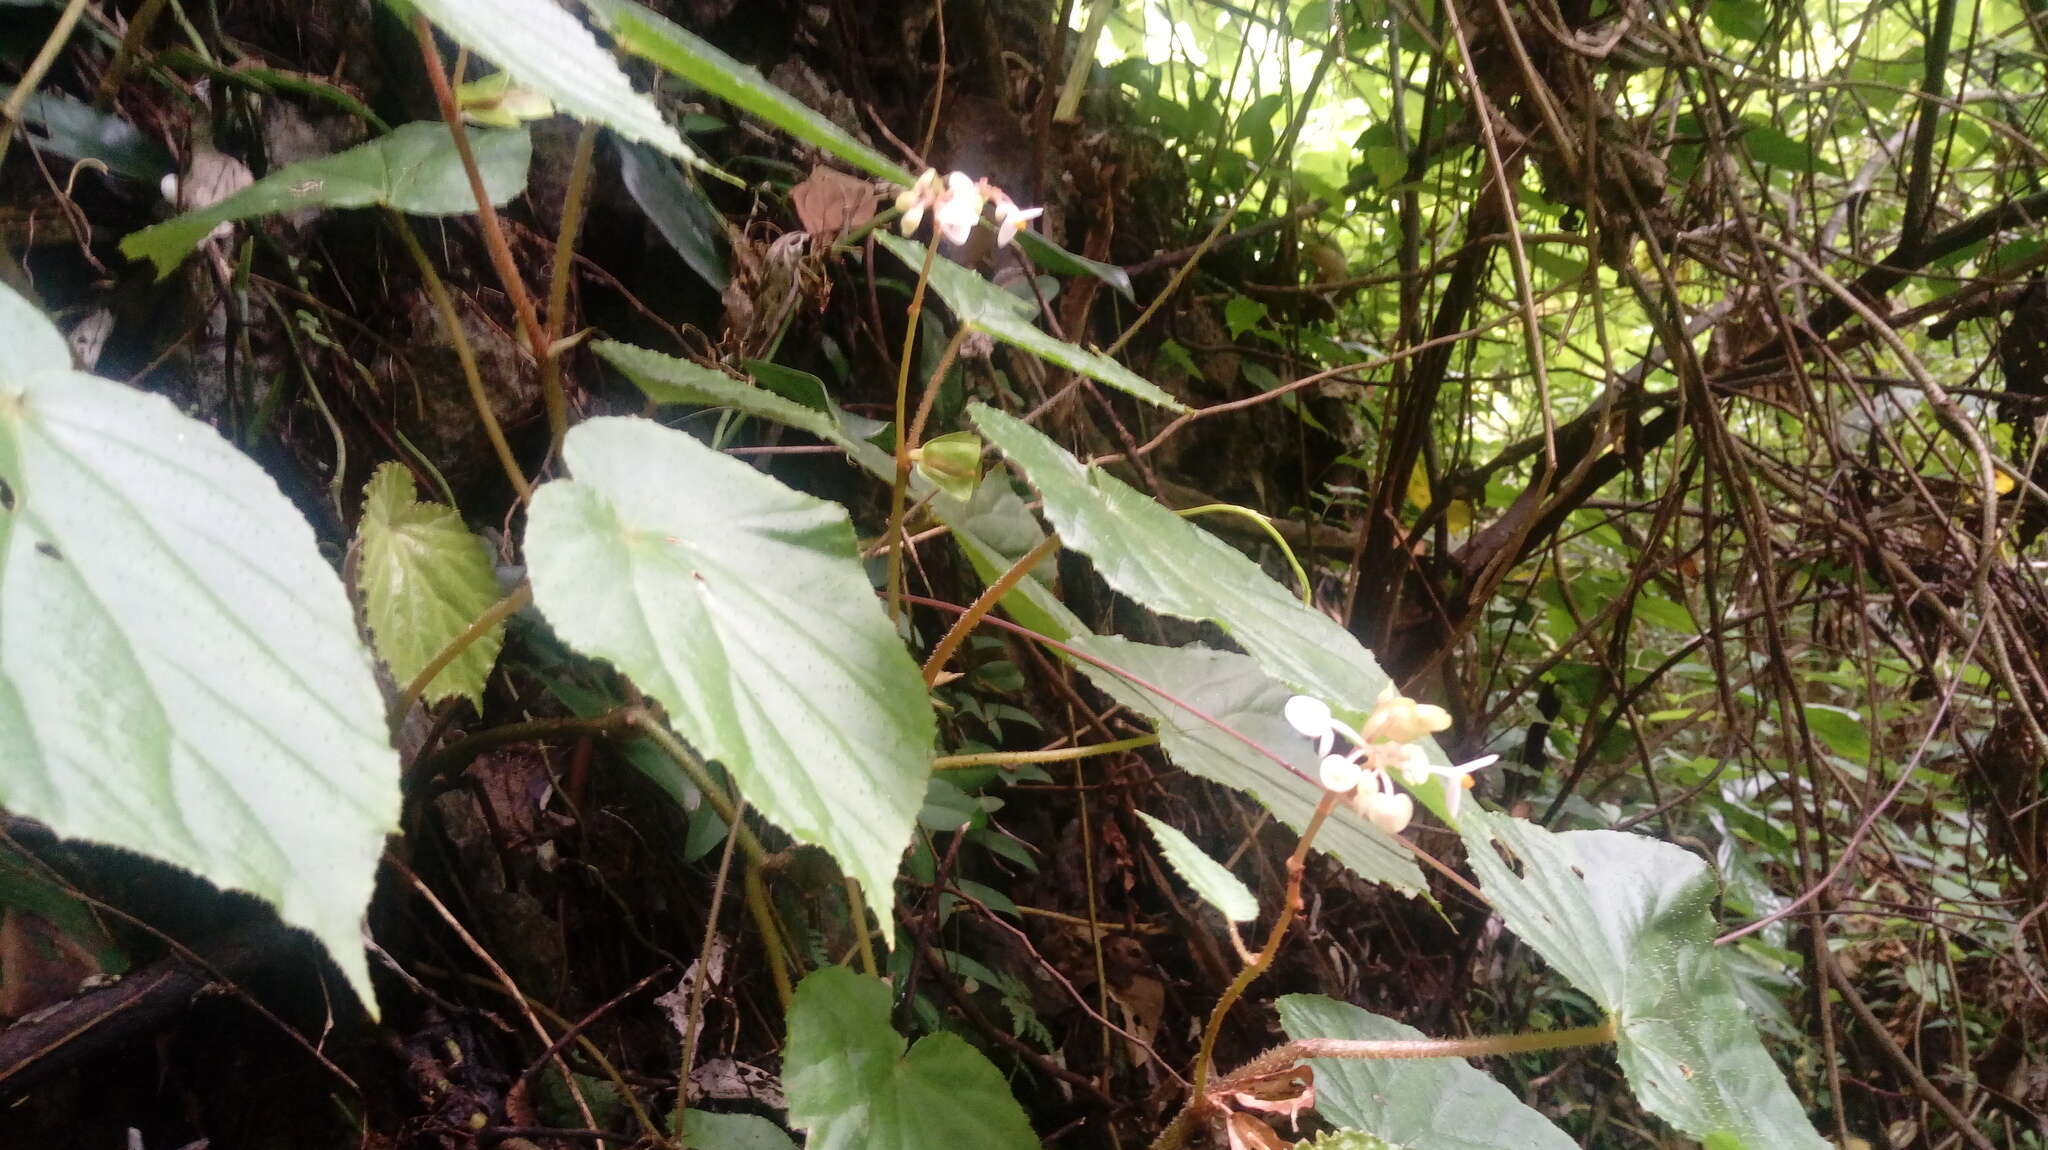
{"type": "Point", "coordinates": [424, 578]}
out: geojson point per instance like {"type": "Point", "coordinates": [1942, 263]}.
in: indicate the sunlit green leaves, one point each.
{"type": "Point", "coordinates": [852, 1086]}
{"type": "Point", "coordinates": [1175, 568]}
{"type": "Point", "coordinates": [985, 307]}
{"type": "Point", "coordinates": [179, 668]}
{"type": "Point", "coordinates": [1209, 878]}
{"type": "Point", "coordinates": [414, 169]}
{"type": "Point", "coordinates": [424, 578]}
{"type": "Point", "coordinates": [545, 49]}
{"type": "Point", "coordinates": [1420, 1104]}
{"type": "Point", "coordinates": [742, 606]}
{"type": "Point", "coordinates": [1628, 920]}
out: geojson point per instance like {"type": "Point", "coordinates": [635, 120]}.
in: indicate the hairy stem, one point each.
{"type": "Point", "coordinates": [982, 605]}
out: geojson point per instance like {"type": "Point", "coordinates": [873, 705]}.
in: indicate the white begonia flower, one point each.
{"type": "Point", "coordinates": [918, 198]}
{"type": "Point", "coordinates": [1010, 217]}
{"type": "Point", "coordinates": [959, 209]}
{"type": "Point", "coordinates": [1389, 811]}
{"type": "Point", "coordinates": [1400, 719]}
{"type": "Point", "coordinates": [1388, 745]}
{"type": "Point", "coordinates": [1340, 773]}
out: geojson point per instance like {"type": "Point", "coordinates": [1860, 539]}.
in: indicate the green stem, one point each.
{"type": "Point", "coordinates": [1056, 755]}
{"type": "Point", "coordinates": [858, 909]}
{"type": "Point", "coordinates": [982, 605]}
{"type": "Point", "coordinates": [1265, 524]}
{"type": "Point", "coordinates": [558, 287]}
{"type": "Point", "coordinates": [756, 891]}
{"type": "Point", "coordinates": [493, 615]}
{"type": "Point", "coordinates": [444, 306]}
{"type": "Point", "coordinates": [902, 480]}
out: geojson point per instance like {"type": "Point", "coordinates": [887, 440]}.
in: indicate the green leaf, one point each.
{"type": "Point", "coordinates": [1743, 19]}
{"type": "Point", "coordinates": [656, 38]}
{"type": "Point", "coordinates": [76, 130]}
{"type": "Point", "coordinates": [545, 49]}
{"type": "Point", "coordinates": [704, 1130]}
{"type": "Point", "coordinates": [424, 579]}
{"type": "Point", "coordinates": [1628, 920]}
{"type": "Point", "coordinates": [666, 379]}
{"type": "Point", "coordinates": [980, 304]}
{"type": "Point", "coordinates": [678, 210]}
{"type": "Point", "coordinates": [1773, 147]}
{"type": "Point", "coordinates": [414, 169]}
{"type": "Point", "coordinates": [1842, 730]}
{"type": "Point", "coordinates": [179, 668]}
{"type": "Point", "coordinates": [1242, 314]}
{"type": "Point", "coordinates": [850, 1084]}
{"type": "Point", "coordinates": [1209, 878]}
{"type": "Point", "coordinates": [1054, 258]}
{"type": "Point", "coordinates": [742, 606]}
{"type": "Point", "coordinates": [1422, 1104]}
{"type": "Point", "coordinates": [1176, 568]}
{"type": "Point", "coordinates": [1234, 691]}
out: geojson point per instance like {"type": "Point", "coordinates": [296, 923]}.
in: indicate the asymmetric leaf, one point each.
{"type": "Point", "coordinates": [1420, 1104]}
{"type": "Point", "coordinates": [983, 306]}
{"type": "Point", "coordinates": [1628, 920]}
{"type": "Point", "coordinates": [414, 169]}
{"type": "Point", "coordinates": [742, 606]}
{"type": "Point", "coordinates": [1234, 691]}
{"type": "Point", "coordinates": [851, 1085]}
{"type": "Point", "coordinates": [180, 673]}
{"type": "Point", "coordinates": [549, 51]}
{"type": "Point", "coordinates": [1169, 565]}
{"type": "Point", "coordinates": [424, 577]}
{"type": "Point", "coordinates": [1209, 878]}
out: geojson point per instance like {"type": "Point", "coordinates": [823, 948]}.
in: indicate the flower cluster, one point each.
{"type": "Point", "coordinates": [1384, 746]}
{"type": "Point", "coordinates": [956, 202]}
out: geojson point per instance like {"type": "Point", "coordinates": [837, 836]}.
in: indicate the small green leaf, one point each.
{"type": "Point", "coordinates": [677, 208]}
{"type": "Point", "coordinates": [1743, 19]}
{"type": "Point", "coordinates": [1628, 920]}
{"type": "Point", "coordinates": [1209, 878]}
{"type": "Point", "coordinates": [1842, 730]}
{"type": "Point", "coordinates": [424, 577]}
{"type": "Point", "coordinates": [179, 671]}
{"type": "Point", "coordinates": [666, 379]}
{"type": "Point", "coordinates": [982, 305]}
{"type": "Point", "coordinates": [741, 606]}
{"type": "Point", "coordinates": [1242, 314]}
{"type": "Point", "coordinates": [76, 130]}
{"type": "Point", "coordinates": [704, 1130]}
{"type": "Point", "coordinates": [850, 1083]}
{"type": "Point", "coordinates": [1421, 1104]}
{"type": "Point", "coordinates": [544, 48]}
{"type": "Point", "coordinates": [414, 169]}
